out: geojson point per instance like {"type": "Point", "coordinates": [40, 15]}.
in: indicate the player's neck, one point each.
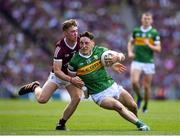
{"type": "Point", "coordinates": [146, 26]}
{"type": "Point", "coordinates": [69, 42]}
{"type": "Point", "coordinates": [85, 55]}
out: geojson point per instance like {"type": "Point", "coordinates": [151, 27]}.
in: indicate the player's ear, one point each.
{"type": "Point", "coordinates": [92, 42]}
{"type": "Point", "coordinates": [65, 33]}
{"type": "Point", "coordinates": [151, 20]}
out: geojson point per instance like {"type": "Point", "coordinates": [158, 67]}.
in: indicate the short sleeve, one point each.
{"type": "Point", "coordinates": [72, 66]}
{"type": "Point", "coordinates": [133, 34]}
{"type": "Point", "coordinates": [156, 37]}
{"type": "Point", "coordinates": [102, 49]}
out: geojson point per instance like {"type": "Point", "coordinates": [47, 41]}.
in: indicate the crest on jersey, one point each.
{"type": "Point", "coordinates": [95, 56]}
{"type": "Point", "coordinates": [66, 55]}
{"type": "Point", "coordinates": [149, 35]}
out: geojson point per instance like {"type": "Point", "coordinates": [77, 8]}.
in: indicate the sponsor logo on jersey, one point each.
{"type": "Point", "coordinates": [88, 61]}
{"type": "Point", "coordinates": [89, 68]}
{"type": "Point", "coordinates": [143, 34]}
{"type": "Point", "coordinates": [139, 41]}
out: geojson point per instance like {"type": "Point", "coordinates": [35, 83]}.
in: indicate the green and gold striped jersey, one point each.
{"type": "Point", "coordinates": [142, 52]}
{"type": "Point", "coordinates": [91, 70]}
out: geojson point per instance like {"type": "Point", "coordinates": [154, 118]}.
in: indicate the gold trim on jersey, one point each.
{"type": "Point", "coordinates": [139, 41]}
{"type": "Point", "coordinates": [89, 68]}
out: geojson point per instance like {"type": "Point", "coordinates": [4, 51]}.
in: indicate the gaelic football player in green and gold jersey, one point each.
{"type": "Point", "coordinates": [103, 89]}
{"type": "Point", "coordinates": [145, 40]}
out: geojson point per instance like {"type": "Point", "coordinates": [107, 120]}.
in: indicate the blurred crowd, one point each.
{"type": "Point", "coordinates": [30, 28]}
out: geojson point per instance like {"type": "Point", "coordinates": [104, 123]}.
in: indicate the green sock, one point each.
{"type": "Point", "coordinates": [139, 123]}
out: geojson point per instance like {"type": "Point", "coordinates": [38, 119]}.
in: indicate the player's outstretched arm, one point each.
{"type": "Point", "coordinates": [75, 80]}
{"type": "Point", "coordinates": [118, 67]}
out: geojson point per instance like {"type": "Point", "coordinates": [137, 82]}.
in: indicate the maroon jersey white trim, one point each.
{"type": "Point", "coordinates": [56, 51]}
{"type": "Point", "coordinates": [65, 53]}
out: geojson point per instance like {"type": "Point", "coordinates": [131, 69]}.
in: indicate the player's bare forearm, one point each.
{"type": "Point", "coordinates": [57, 64]}
{"type": "Point", "coordinates": [77, 82]}
{"type": "Point", "coordinates": [156, 48]}
{"type": "Point", "coordinates": [130, 49]}
{"type": "Point", "coordinates": [118, 67]}
{"type": "Point", "coordinates": [61, 75]}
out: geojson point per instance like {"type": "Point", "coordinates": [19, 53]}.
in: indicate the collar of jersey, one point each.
{"type": "Point", "coordinates": [85, 56]}
{"type": "Point", "coordinates": [146, 30]}
{"type": "Point", "coordinates": [71, 47]}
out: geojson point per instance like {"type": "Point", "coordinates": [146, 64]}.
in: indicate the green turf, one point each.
{"type": "Point", "coordinates": [26, 117]}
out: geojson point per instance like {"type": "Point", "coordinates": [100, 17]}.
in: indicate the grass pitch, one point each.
{"type": "Point", "coordinates": [23, 117]}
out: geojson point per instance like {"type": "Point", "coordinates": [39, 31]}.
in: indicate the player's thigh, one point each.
{"type": "Point", "coordinates": [48, 89]}
{"type": "Point", "coordinates": [73, 91]}
{"type": "Point", "coordinates": [110, 103]}
{"type": "Point", "coordinates": [135, 75]}
{"type": "Point", "coordinates": [126, 99]}
{"type": "Point", "coordinates": [135, 71]}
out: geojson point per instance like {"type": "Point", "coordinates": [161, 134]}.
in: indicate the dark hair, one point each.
{"type": "Point", "coordinates": [87, 34]}
{"type": "Point", "coordinates": [68, 23]}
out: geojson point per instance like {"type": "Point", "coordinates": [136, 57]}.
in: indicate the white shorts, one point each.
{"type": "Point", "coordinates": [113, 91]}
{"type": "Point", "coordinates": [59, 82]}
{"type": "Point", "coordinates": [147, 68]}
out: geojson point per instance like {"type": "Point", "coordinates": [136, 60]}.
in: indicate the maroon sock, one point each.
{"type": "Point", "coordinates": [62, 122]}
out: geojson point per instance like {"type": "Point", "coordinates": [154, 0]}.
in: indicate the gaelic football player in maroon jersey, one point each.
{"type": "Point", "coordinates": [65, 48]}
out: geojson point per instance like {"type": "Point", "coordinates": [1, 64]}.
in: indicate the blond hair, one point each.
{"type": "Point", "coordinates": [68, 23]}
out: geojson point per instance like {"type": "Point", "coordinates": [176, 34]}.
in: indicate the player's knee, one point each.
{"type": "Point", "coordinates": [147, 86]}
{"type": "Point", "coordinates": [42, 100]}
{"type": "Point", "coordinates": [134, 108]}
{"type": "Point", "coordinates": [135, 83]}
{"type": "Point", "coordinates": [134, 105]}
{"type": "Point", "coordinates": [76, 99]}
{"type": "Point", "coordinates": [117, 106]}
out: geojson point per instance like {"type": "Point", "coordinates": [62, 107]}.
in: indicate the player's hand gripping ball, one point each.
{"type": "Point", "coordinates": [107, 58]}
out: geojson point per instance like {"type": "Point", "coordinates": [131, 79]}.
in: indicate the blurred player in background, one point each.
{"type": "Point", "coordinates": [65, 48]}
{"type": "Point", "coordinates": [145, 40]}
{"type": "Point", "coordinates": [103, 89]}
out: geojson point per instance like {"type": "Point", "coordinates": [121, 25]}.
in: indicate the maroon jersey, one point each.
{"type": "Point", "coordinates": [65, 53]}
